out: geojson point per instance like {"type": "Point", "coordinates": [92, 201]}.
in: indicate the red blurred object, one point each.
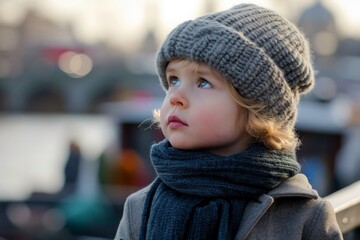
{"type": "Point", "coordinates": [52, 54]}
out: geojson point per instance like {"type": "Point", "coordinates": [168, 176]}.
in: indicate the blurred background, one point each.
{"type": "Point", "coordinates": [78, 85]}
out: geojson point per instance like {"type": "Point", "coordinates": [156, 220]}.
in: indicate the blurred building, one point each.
{"type": "Point", "coordinates": [337, 59]}
{"type": "Point", "coordinates": [43, 68]}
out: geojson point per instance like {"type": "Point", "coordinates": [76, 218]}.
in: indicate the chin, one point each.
{"type": "Point", "coordinates": [180, 145]}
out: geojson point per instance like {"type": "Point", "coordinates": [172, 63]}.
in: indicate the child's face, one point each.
{"type": "Point", "coordinates": [199, 112]}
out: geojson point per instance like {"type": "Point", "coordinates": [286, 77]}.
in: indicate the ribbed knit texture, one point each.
{"type": "Point", "coordinates": [199, 195]}
{"type": "Point", "coordinates": [265, 56]}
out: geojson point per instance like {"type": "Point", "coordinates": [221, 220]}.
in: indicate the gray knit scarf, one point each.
{"type": "Point", "coordinates": [199, 195]}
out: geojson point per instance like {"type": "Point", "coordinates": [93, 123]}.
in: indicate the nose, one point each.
{"type": "Point", "coordinates": [179, 98]}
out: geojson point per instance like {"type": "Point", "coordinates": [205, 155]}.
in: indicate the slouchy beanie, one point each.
{"type": "Point", "coordinates": [266, 58]}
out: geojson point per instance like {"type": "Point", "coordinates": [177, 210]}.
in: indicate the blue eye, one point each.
{"type": "Point", "coordinates": [204, 84]}
{"type": "Point", "coordinates": [174, 81]}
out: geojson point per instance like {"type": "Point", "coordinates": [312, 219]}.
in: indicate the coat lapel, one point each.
{"type": "Point", "coordinates": [253, 212]}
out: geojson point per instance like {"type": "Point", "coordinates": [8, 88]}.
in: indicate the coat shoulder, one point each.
{"type": "Point", "coordinates": [295, 211]}
{"type": "Point", "coordinates": [130, 222]}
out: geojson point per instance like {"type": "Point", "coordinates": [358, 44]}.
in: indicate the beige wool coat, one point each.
{"type": "Point", "coordinates": [292, 211]}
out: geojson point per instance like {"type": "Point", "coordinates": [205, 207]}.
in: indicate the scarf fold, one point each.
{"type": "Point", "coordinates": [200, 195]}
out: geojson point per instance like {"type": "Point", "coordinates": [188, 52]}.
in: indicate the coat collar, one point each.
{"type": "Point", "coordinates": [297, 186]}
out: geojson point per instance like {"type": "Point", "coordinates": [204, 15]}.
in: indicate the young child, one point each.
{"type": "Point", "coordinates": [227, 168]}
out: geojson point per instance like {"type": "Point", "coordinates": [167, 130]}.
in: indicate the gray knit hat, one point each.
{"type": "Point", "coordinates": [265, 56]}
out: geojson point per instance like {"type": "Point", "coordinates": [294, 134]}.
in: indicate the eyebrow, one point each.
{"type": "Point", "coordinates": [210, 72]}
{"type": "Point", "coordinates": [170, 68]}
{"type": "Point", "coordinates": [205, 72]}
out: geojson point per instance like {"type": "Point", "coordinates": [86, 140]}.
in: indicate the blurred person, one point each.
{"type": "Point", "coordinates": [71, 169]}
{"type": "Point", "coordinates": [227, 168]}
{"type": "Point", "coordinates": [314, 168]}
{"type": "Point", "coordinates": [347, 161]}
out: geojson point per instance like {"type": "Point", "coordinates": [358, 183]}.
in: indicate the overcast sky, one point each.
{"type": "Point", "coordinates": [111, 20]}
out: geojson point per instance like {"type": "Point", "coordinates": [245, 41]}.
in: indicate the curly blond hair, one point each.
{"type": "Point", "coordinates": [272, 132]}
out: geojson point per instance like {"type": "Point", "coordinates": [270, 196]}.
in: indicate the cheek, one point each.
{"type": "Point", "coordinates": [206, 116]}
{"type": "Point", "coordinates": [209, 120]}
{"type": "Point", "coordinates": [222, 121]}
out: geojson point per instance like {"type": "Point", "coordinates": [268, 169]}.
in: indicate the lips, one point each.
{"type": "Point", "coordinates": [175, 122]}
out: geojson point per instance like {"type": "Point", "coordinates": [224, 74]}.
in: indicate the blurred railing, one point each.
{"type": "Point", "coordinates": [346, 203]}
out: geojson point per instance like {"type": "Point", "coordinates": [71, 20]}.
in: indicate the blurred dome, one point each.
{"type": "Point", "coordinates": [318, 23]}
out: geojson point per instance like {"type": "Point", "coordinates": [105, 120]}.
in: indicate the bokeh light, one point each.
{"type": "Point", "coordinates": [75, 64]}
